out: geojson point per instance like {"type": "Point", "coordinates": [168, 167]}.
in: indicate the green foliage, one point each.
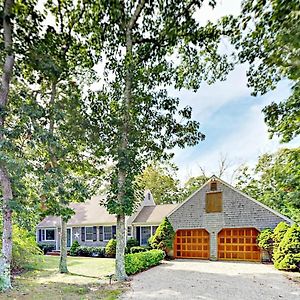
{"type": "Point", "coordinates": [190, 186]}
{"type": "Point", "coordinates": [278, 234]}
{"type": "Point", "coordinates": [89, 251]}
{"type": "Point", "coordinates": [46, 247]}
{"type": "Point", "coordinates": [110, 248]}
{"type": "Point", "coordinates": [163, 237]}
{"type": "Point", "coordinates": [269, 40]}
{"type": "Point", "coordinates": [265, 240]}
{"type": "Point", "coordinates": [287, 255]}
{"type": "Point", "coordinates": [138, 249]}
{"type": "Point", "coordinates": [135, 263]}
{"type": "Point", "coordinates": [132, 242]}
{"type": "Point", "coordinates": [161, 180]}
{"type": "Point", "coordinates": [74, 247]}
{"type": "Point", "coordinates": [25, 249]}
{"type": "Point", "coordinates": [275, 181]}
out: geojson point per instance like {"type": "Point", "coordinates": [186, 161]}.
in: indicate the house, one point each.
{"type": "Point", "coordinates": [92, 225]}
{"type": "Point", "coordinates": [215, 222]}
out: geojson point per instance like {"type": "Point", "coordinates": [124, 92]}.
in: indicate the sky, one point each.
{"type": "Point", "coordinates": [230, 118]}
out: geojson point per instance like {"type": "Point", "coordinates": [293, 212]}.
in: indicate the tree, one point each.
{"type": "Point", "coordinates": [269, 40]}
{"type": "Point", "coordinates": [192, 185]}
{"type": "Point", "coordinates": [161, 180]}
{"type": "Point", "coordinates": [275, 181]}
{"type": "Point", "coordinates": [143, 121]}
{"type": "Point", "coordinates": [59, 68]}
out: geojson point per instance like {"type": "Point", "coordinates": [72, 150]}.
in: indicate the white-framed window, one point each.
{"type": "Point", "coordinates": [129, 231]}
{"type": "Point", "coordinates": [107, 233]}
{"type": "Point", "coordinates": [88, 233]}
{"type": "Point", "coordinates": [49, 235]}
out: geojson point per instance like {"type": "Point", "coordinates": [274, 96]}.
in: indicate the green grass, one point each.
{"type": "Point", "coordinates": [86, 280]}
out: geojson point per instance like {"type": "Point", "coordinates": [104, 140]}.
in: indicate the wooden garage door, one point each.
{"type": "Point", "coordinates": [191, 243]}
{"type": "Point", "coordinates": [238, 244]}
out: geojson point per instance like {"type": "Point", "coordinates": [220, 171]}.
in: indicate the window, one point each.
{"type": "Point", "coordinates": [213, 186]}
{"type": "Point", "coordinates": [213, 202]}
{"type": "Point", "coordinates": [88, 233]}
{"type": "Point", "coordinates": [129, 231]}
{"type": "Point", "coordinates": [107, 233]}
{"type": "Point", "coordinates": [49, 235]}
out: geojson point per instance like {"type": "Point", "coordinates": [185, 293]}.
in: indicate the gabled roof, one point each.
{"type": "Point", "coordinates": [236, 190]}
{"type": "Point", "coordinates": [153, 214]}
{"type": "Point", "coordinates": [86, 213]}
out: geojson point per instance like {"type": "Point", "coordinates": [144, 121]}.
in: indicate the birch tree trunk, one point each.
{"type": "Point", "coordinates": [120, 250]}
{"type": "Point", "coordinates": [5, 181]}
{"type": "Point", "coordinates": [63, 247]}
{"type": "Point", "coordinates": [124, 147]}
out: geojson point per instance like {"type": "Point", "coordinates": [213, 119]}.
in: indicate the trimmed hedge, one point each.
{"type": "Point", "coordinates": [137, 262]}
{"type": "Point", "coordinates": [90, 251]}
{"type": "Point", "coordinates": [138, 249]}
{"type": "Point", "coordinates": [131, 242]}
{"type": "Point", "coordinates": [46, 247]}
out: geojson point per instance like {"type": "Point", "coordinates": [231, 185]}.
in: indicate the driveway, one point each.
{"type": "Point", "coordinates": [194, 279]}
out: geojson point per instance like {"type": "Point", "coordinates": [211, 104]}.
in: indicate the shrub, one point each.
{"type": "Point", "coordinates": [138, 262]}
{"type": "Point", "coordinates": [74, 248]}
{"type": "Point", "coordinates": [110, 249]}
{"type": "Point", "coordinates": [25, 248]}
{"type": "Point", "coordinates": [265, 240]}
{"type": "Point", "coordinates": [287, 256]}
{"type": "Point", "coordinates": [278, 234]}
{"type": "Point", "coordinates": [45, 247]}
{"type": "Point", "coordinates": [90, 251]}
{"type": "Point", "coordinates": [163, 237]}
{"type": "Point", "coordinates": [138, 249]}
{"type": "Point", "coordinates": [132, 242]}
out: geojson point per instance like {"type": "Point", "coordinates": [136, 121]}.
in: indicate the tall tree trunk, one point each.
{"type": "Point", "coordinates": [124, 147]}
{"type": "Point", "coordinates": [5, 181]}
{"type": "Point", "coordinates": [120, 250]}
{"type": "Point", "coordinates": [63, 247]}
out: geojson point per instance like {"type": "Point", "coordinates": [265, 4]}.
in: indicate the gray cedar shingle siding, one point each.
{"type": "Point", "coordinates": [238, 211]}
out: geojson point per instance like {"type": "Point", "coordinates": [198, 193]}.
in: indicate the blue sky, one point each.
{"type": "Point", "coordinates": [230, 117]}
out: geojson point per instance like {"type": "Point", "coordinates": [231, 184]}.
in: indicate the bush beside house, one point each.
{"type": "Point", "coordinates": [137, 262]}
{"type": "Point", "coordinates": [283, 244]}
{"type": "Point", "coordinates": [131, 242]}
{"type": "Point", "coordinates": [110, 248]}
{"type": "Point", "coordinates": [74, 247]}
{"type": "Point", "coordinates": [163, 237]}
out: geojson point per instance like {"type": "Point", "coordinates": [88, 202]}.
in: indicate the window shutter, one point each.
{"type": "Point", "coordinates": [94, 233]}
{"type": "Point", "coordinates": [138, 234]}
{"type": "Point", "coordinates": [113, 230]}
{"type": "Point", "coordinates": [82, 234]}
{"type": "Point", "coordinates": [101, 233]}
{"type": "Point", "coordinates": [39, 235]}
{"type": "Point", "coordinates": [43, 234]}
{"type": "Point", "coordinates": [213, 202]}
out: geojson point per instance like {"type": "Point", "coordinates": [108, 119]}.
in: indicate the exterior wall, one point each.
{"type": "Point", "coordinates": [238, 211]}
{"type": "Point", "coordinates": [76, 236]}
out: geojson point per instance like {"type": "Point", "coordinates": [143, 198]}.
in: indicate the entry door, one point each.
{"type": "Point", "coordinates": [145, 234]}
{"type": "Point", "coordinates": [69, 237]}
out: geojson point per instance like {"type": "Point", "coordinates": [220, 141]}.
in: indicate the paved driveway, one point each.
{"type": "Point", "coordinates": [194, 279]}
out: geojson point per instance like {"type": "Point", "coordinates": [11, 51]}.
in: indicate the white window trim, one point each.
{"type": "Point", "coordinates": [45, 240]}
{"type": "Point", "coordinates": [105, 240]}
{"type": "Point", "coordinates": [88, 233]}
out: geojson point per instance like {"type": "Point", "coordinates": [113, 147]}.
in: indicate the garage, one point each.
{"type": "Point", "coordinates": [238, 244]}
{"type": "Point", "coordinates": [191, 243]}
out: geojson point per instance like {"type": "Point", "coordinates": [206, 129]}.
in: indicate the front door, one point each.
{"type": "Point", "coordinates": [69, 237]}
{"type": "Point", "coordinates": [145, 235]}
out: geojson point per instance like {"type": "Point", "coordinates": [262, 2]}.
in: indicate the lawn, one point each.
{"type": "Point", "coordinates": [86, 280]}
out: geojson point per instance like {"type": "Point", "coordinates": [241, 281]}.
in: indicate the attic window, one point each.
{"type": "Point", "coordinates": [214, 202]}
{"type": "Point", "coordinates": [213, 186]}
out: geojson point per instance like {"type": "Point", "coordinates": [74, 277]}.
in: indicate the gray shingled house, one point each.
{"type": "Point", "coordinates": [215, 222]}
